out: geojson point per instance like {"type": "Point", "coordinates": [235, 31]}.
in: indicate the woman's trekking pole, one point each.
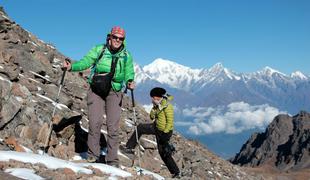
{"type": "Point", "coordinates": [136, 129]}
{"type": "Point", "coordinates": [50, 129]}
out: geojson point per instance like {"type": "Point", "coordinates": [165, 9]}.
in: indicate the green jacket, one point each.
{"type": "Point", "coordinates": [163, 115]}
{"type": "Point", "coordinates": [124, 70]}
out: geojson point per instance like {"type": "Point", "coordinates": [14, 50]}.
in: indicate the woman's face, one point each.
{"type": "Point", "coordinates": [116, 40]}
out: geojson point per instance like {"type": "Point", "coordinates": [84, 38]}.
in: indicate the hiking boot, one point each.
{"type": "Point", "coordinates": [91, 159]}
{"type": "Point", "coordinates": [101, 159]}
{"type": "Point", "coordinates": [113, 163]}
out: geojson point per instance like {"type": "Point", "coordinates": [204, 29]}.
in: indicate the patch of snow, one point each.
{"type": "Point", "coordinates": [19, 99]}
{"type": "Point", "coordinates": [23, 173]}
{"type": "Point", "coordinates": [34, 101]}
{"type": "Point", "coordinates": [84, 129]}
{"type": "Point", "coordinates": [5, 16]}
{"type": "Point", "coordinates": [56, 60]}
{"type": "Point", "coordinates": [21, 75]}
{"type": "Point", "coordinates": [123, 155]}
{"type": "Point", "coordinates": [55, 163]}
{"type": "Point", "coordinates": [43, 77]}
{"type": "Point", "coordinates": [107, 169]}
{"type": "Point", "coordinates": [55, 66]}
{"type": "Point", "coordinates": [150, 141]}
{"type": "Point", "coordinates": [1, 67]}
{"type": "Point", "coordinates": [39, 88]}
{"type": "Point", "coordinates": [129, 124]}
{"type": "Point", "coordinates": [41, 41]}
{"type": "Point", "coordinates": [48, 45]}
{"type": "Point", "coordinates": [59, 106]}
{"type": "Point", "coordinates": [27, 149]}
{"type": "Point", "coordinates": [33, 43]}
{"type": "Point", "coordinates": [33, 80]}
{"type": "Point", "coordinates": [48, 161]}
{"type": "Point", "coordinates": [40, 152]}
{"type": "Point", "coordinates": [4, 79]}
{"type": "Point", "coordinates": [218, 174]}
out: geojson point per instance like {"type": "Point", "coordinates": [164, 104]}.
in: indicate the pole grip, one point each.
{"type": "Point", "coordinates": [132, 98]}
{"type": "Point", "coordinates": [63, 76]}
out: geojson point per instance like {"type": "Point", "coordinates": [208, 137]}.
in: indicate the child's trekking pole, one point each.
{"type": "Point", "coordinates": [136, 129]}
{"type": "Point", "coordinates": [50, 129]}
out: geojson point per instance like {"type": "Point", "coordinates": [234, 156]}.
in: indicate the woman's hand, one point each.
{"type": "Point", "coordinates": [67, 64]}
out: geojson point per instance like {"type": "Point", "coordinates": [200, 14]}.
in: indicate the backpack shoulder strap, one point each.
{"type": "Point", "coordinates": [101, 53]}
{"type": "Point", "coordinates": [93, 68]}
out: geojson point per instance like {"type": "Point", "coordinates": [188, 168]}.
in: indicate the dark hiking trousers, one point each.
{"type": "Point", "coordinates": [96, 108]}
{"type": "Point", "coordinates": [162, 144]}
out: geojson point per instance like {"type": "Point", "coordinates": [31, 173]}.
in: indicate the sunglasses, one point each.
{"type": "Point", "coordinates": [119, 38]}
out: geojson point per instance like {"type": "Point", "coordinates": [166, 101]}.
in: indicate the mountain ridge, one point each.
{"type": "Point", "coordinates": [161, 66]}
{"type": "Point", "coordinates": [264, 86]}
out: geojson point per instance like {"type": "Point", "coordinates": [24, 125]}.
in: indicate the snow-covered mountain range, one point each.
{"type": "Point", "coordinates": [218, 85]}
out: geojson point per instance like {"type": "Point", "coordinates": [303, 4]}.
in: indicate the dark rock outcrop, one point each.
{"type": "Point", "coordinates": [285, 144]}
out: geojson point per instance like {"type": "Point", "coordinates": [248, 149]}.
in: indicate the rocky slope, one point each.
{"type": "Point", "coordinates": [285, 145]}
{"type": "Point", "coordinates": [30, 71]}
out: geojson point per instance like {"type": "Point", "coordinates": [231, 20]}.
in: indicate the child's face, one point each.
{"type": "Point", "coordinates": [156, 100]}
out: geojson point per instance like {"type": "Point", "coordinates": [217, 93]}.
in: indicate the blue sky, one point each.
{"type": "Point", "coordinates": [244, 35]}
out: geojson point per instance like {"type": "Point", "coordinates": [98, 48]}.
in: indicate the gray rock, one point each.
{"type": "Point", "coordinates": [285, 144]}
{"type": "Point", "coordinates": [10, 107]}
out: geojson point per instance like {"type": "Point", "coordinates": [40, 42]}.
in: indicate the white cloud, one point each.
{"type": "Point", "coordinates": [198, 112]}
{"type": "Point", "coordinates": [232, 119]}
{"type": "Point", "coordinates": [195, 130]}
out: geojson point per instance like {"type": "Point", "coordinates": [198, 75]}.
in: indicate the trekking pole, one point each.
{"type": "Point", "coordinates": [50, 129]}
{"type": "Point", "coordinates": [136, 129]}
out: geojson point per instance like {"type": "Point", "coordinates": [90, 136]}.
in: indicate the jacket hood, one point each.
{"type": "Point", "coordinates": [166, 100]}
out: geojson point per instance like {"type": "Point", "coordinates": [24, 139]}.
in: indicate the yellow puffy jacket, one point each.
{"type": "Point", "coordinates": [163, 115]}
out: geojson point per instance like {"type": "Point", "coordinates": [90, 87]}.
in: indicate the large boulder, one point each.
{"type": "Point", "coordinates": [284, 145]}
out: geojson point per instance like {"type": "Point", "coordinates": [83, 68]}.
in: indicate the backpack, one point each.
{"type": "Point", "coordinates": [101, 84]}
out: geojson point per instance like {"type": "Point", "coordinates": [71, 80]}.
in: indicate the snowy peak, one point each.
{"type": "Point", "coordinates": [268, 71]}
{"type": "Point", "coordinates": [141, 76]}
{"type": "Point", "coordinates": [219, 72]}
{"type": "Point", "coordinates": [161, 65]}
{"type": "Point", "coordinates": [171, 73]}
{"type": "Point", "coordinates": [299, 76]}
{"type": "Point", "coordinates": [218, 67]}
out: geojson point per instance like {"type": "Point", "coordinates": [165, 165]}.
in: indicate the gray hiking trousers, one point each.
{"type": "Point", "coordinates": [96, 108]}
